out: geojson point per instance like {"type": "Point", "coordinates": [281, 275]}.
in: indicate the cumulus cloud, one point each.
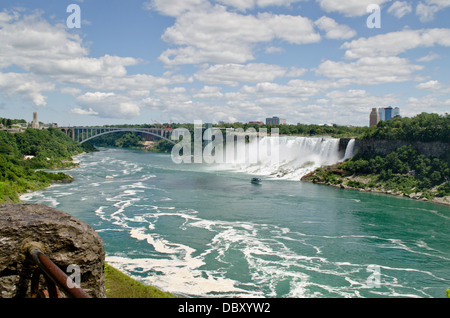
{"type": "Point", "coordinates": [427, 10]}
{"type": "Point", "coordinates": [174, 8]}
{"type": "Point", "coordinates": [370, 70]}
{"type": "Point", "coordinates": [333, 30]}
{"type": "Point", "coordinates": [25, 86]}
{"type": "Point", "coordinates": [49, 55]}
{"type": "Point", "coordinates": [400, 9]}
{"type": "Point", "coordinates": [216, 35]}
{"type": "Point", "coordinates": [429, 86]}
{"type": "Point", "coordinates": [109, 105]}
{"type": "Point", "coordinates": [233, 74]}
{"type": "Point", "coordinates": [209, 92]}
{"type": "Point", "coordinates": [244, 5]}
{"type": "Point", "coordinates": [395, 43]}
{"type": "Point", "coordinates": [84, 112]}
{"type": "Point", "coordinates": [35, 45]}
{"type": "Point", "coordinates": [351, 8]}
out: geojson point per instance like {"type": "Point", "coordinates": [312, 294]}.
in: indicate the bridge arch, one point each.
{"type": "Point", "coordinates": [127, 130]}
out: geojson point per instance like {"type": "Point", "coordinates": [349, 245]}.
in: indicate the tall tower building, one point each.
{"type": "Point", "coordinates": [388, 113]}
{"type": "Point", "coordinates": [374, 117]}
{"type": "Point", "coordinates": [35, 123]}
{"type": "Point", "coordinates": [381, 114]}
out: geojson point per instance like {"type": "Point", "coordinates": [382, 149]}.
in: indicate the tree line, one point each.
{"type": "Point", "coordinates": [22, 154]}
{"type": "Point", "coordinates": [424, 127]}
{"type": "Point", "coordinates": [405, 169]}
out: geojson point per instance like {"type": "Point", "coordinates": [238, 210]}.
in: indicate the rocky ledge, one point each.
{"type": "Point", "coordinates": [61, 237]}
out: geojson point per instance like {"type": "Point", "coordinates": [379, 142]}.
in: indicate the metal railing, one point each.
{"type": "Point", "coordinates": [54, 277]}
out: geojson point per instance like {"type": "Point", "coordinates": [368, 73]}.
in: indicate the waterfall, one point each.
{"type": "Point", "coordinates": [350, 151]}
{"type": "Point", "coordinates": [297, 157]}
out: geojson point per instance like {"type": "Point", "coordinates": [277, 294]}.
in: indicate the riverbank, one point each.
{"type": "Point", "coordinates": [117, 283]}
{"type": "Point", "coordinates": [335, 176]}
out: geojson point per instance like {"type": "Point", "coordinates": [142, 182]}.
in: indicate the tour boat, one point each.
{"type": "Point", "coordinates": [256, 181]}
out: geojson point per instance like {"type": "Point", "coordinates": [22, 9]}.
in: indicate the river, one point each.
{"type": "Point", "coordinates": [205, 231]}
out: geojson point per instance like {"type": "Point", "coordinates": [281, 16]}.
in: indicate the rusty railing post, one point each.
{"type": "Point", "coordinates": [54, 277]}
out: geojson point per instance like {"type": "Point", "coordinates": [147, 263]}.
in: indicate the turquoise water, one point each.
{"type": "Point", "coordinates": [201, 231]}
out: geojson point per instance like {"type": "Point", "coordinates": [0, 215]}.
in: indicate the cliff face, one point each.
{"type": "Point", "coordinates": [385, 147]}
{"type": "Point", "coordinates": [63, 239]}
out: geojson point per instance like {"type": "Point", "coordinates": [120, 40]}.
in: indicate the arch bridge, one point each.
{"type": "Point", "coordinates": [84, 134]}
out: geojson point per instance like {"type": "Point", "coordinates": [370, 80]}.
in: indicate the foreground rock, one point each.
{"type": "Point", "coordinates": [64, 239]}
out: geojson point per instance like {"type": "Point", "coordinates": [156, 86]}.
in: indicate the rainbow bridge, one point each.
{"type": "Point", "coordinates": [84, 134]}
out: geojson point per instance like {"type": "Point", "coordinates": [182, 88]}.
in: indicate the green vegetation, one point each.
{"type": "Point", "coordinates": [162, 146]}
{"type": "Point", "coordinates": [404, 171]}
{"type": "Point", "coordinates": [424, 127]}
{"type": "Point", "coordinates": [119, 140]}
{"type": "Point", "coordinates": [119, 285]}
{"type": "Point", "coordinates": [6, 122]}
{"type": "Point", "coordinates": [336, 131]}
{"type": "Point", "coordinates": [47, 149]}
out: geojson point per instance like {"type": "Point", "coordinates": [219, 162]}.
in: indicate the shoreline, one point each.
{"type": "Point", "coordinates": [312, 177]}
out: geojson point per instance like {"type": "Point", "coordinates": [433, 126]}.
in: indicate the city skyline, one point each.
{"type": "Point", "coordinates": [313, 62]}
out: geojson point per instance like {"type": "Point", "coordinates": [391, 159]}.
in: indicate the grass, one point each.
{"type": "Point", "coordinates": [119, 285]}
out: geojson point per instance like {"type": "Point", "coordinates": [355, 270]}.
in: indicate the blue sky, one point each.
{"type": "Point", "coordinates": [140, 61]}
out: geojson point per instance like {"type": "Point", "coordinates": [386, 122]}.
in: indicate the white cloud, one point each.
{"type": "Point", "coordinates": [274, 49]}
{"type": "Point", "coordinates": [208, 92]}
{"type": "Point", "coordinates": [79, 111]}
{"type": "Point", "coordinates": [429, 86]}
{"type": "Point", "coordinates": [52, 55]}
{"type": "Point", "coordinates": [333, 30]}
{"type": "Point", "coordinates": [244, 5]}
{"type": "Point", "coordinates": [109, 105]}
{"type": "Point", "coordinates": [354, 104]}
{"type": "Point", "coordinates": [241, 5]}
{"type": "Point", "coordinates": [352, 8]}
{"type": "Point", "coordinates": [296, 72]}
{"type": "Point", "coordinates": [370, 70]}
{"type": "Point", "coordinates": [400, 9]}
{"type": "Point", "coordinates": [428, 58]}
{"type": "Point", "coordinates": [26, 86]}
{"type": "Point", "coordinates": [70, 91]}
{"type": "Point", "coordinates": [137, 82]}
{"type": "Point", "coordinates": [174, 8]}
{"type": "Point", "coordinates": [31, 43]}
{"type": "Point", "coordinates": [395, 43]}
{"type": "Point", "coordinates": [215, 35]}
{"type": "Point", "coordinates": [427, 11]}
{"type": "Point", "coordinates": [292, 29]}
{"type": "Point", "coordinates": [233, 74]}
{"type": "Point", "coordinates": [296, 88]}
{"type": "Point", "coordinates": [428, 103]}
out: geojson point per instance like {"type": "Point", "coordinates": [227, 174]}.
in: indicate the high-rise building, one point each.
{"type": "Point", "coordinates": [381, 114]}
{"type": "Point", "coordinates": [384, 113]}
{"type": "Point", "coordinates": [275, 121]}
{"type": "Point", "coordinates": [374, 117]}
{"type": "Point", "coordinates": [388, 113]}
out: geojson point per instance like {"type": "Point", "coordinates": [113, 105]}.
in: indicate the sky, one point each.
{"type": "Point", "coordinates": [147, 61]}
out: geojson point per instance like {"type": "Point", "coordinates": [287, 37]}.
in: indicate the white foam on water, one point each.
{"type": "Point", "coordinates": [298, 156]}
{"type": "Point", "coordinates": [177, 276]}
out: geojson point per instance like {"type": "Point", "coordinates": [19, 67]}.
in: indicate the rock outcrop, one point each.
{"type": "Point", "coordinates": [385, 147]}
{"type": "Point", "coordinates": [62, 238]}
